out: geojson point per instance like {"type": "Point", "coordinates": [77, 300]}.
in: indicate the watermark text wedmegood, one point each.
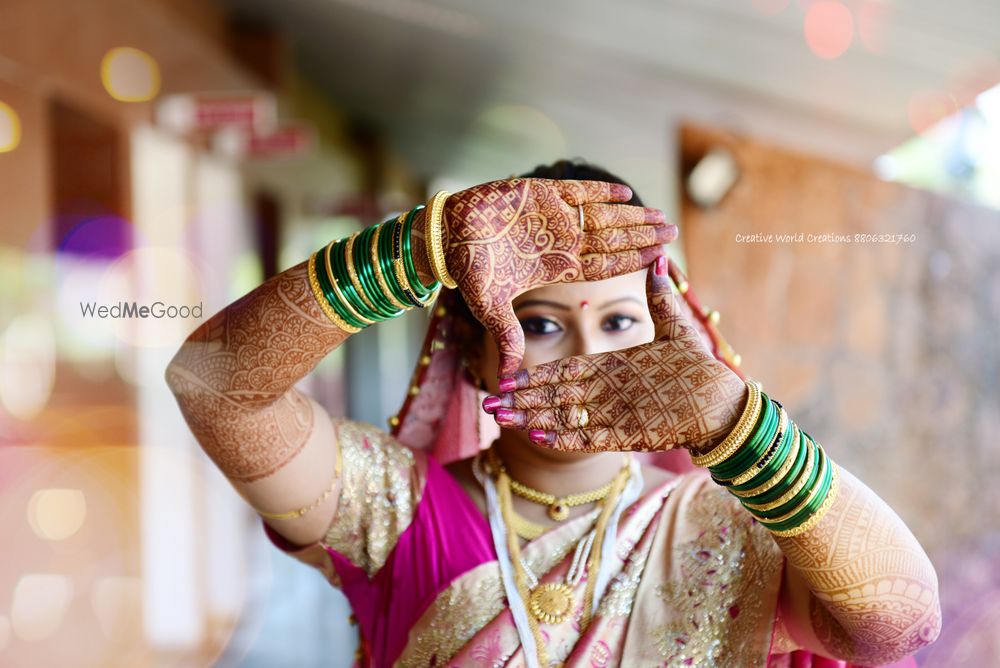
{"type": "Point", "coordinates": [135, 310]}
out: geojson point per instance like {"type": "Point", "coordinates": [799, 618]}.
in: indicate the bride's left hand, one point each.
{"type": "Point", "coordinates": [669, 393]}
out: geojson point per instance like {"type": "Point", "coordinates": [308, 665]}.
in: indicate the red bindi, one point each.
{"type": "Point", "coordinates": [584, 304]}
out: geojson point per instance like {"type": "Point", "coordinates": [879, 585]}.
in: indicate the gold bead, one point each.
{"type": "Point", "coordinates": [425, 360]}
{"type": "Point", "coordinates": [737, 359]}
{"type": "Point", "coordinates": [414, 390]}
{"type": "Point", "coordinates": [394, 421]}
{"type": "Point", "coordinates": [683, 287]}
{"type": "Point", "coordinates": [440, 311]}
{"type": "Point", "coordinates": [713, 317]}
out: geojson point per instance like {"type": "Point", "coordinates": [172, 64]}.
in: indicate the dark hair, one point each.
{"type": "Point", "coordinates": [469, 331]}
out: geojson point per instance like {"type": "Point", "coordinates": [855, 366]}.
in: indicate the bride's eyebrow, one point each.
{"type": "Point", "coordinates": [541, 302]}
{"type": "Point", "coordinates": [621, 299]}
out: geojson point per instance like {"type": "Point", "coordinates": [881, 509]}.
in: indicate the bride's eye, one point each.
{"type": "Point", "coordinates": [617, 323]}
{"type": "Point", "coordinates": [539, 326]}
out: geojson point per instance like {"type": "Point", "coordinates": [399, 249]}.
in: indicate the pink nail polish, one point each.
{"type": "Point", "coordinates": [507, 384]}
{"type": "Point", "coordinates": [504, 415]}
{"type": "Point", "coordinates": [661, 266]}
{"type": "Point", "coordinates": [537, 436]}
{"type": "Point", "coordinates": [491, 403]}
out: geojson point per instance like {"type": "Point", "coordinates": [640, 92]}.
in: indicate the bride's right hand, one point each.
{"type": "Point", "coordinates": [506, 237]}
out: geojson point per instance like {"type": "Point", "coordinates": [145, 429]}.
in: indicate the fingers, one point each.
{"type": "Point", "coordinates": [552, 418]}
{"type": "Point", "coordinates": [575, 193]}
{"type": "Point", "coordinates": [597, 439]}
{"type": "Point", "coordinates": [598, 266]}
{"type": "Point", "coordinates": [668, 318]}
{"type": "Point", "coordinates": [598, 216]}
{"type": "Point", "coordinates": [507, 332]}
{"type": "Point", "coordinates": [615, 240]}
{"type": "Point", "coordinates": [558, 371]}
{"type": "Point", "coordinates": [553, 394]}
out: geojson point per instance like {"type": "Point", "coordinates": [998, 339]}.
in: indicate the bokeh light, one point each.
{"type": "Point", "coordinates": [39, 605]}
{"type": "Point", "coordinates": [57, 514]}
{"type": "Point", "coordinates": [829, 29]}
{"type": "Point", "coordinates": [130, 75]}
{"type": "Point", "coordinates": [10, 128]}
{"type": "Point", "coordinates": [27, 365]}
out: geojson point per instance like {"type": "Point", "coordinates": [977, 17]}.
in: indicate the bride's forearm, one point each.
{"type": "Point", "coordinates": [874, 591]}
{"type": "Point", "coordinates": [233, 377]}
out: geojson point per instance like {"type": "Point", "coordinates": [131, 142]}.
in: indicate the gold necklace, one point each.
{"type": "Point", "coordinates": [558, 506]}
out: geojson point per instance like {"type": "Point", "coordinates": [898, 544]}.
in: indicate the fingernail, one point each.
{"type": "Point", "coordinates": [504, 415]}
{"type": "Point", "coordinates": [491, 403]}
{"type": "Point", "coordinates": [507, 384]}
{"type": "Point", "coordinates": [537, 436]}
{"type": "Point", "coordinates": [661, 266]}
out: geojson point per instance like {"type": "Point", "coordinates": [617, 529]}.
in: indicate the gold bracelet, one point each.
{"type": "Point", "coordinates": [435, 251]}
{"type": "Point", "coordinates": [782, 471]}
{"type": "Point", "coordinates": [800, 482]}
{"type": "Point", "coordinates": [822, 462]}
{"type": "Point", "coordinates": [379, 278]}
{"type": "Point", "coordinates": [824, 507]}
{"type": "Point", "coordinates": [315, 504]}
{"type": "Point", "coordinates": [772, 449]}
{"type": "Point", "coordinates": [740, 432]}
{"type": "Point", "coordinates": [352, 272]}
{"type": "Point", "coordinates": [324, 305]}
{"type": "Point", "coordinates": [336, 289]}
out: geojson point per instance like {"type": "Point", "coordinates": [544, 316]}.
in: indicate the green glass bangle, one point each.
{"type": "Point", "coordinates": [795, 501]}
{"type": "Point", "coordinates": [331, 295]}
{"type": "Point", "coordinates": [771, 460]}
{"type": "Point", "coordinates": [787, 481]}
{"type": "Point", "coordinates": [812, 505]}
{"type": "Point", "coordinates": [384, 251]}
{"type": "Point", "coordinates": [338, 256]}
{"type": "Point", "coordinates": [396, 267]}
{"type": "Point", "coordinates": [760, 437]}
{"type": "Point", "coordinates": [406, 252]}
{"type": "Point", "coordinates": [362, 264]}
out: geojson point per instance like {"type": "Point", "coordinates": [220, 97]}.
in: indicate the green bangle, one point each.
{"type": "Point", "coordinates": [384, 256]}
{"type": "Point", "coordinates": [406, 253]}
{"type": "Point", "coordinates": [751, 451]}
{"type": "Point", "coordinates": [362, 262]}
{"type": "Point", "coordinates": [770, 461]}
{"type": "Point", "coordinates": [333, 294]}
{"type": "Point", "coordinates": [789, 506]}
{"type": "Point", "coordinates": [787, 480]}
{"type": "Point", "coordinates": [339, 262]}
{"type": "Point", "coordinates": [811, 505]}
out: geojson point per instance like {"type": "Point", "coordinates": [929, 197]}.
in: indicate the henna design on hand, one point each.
{"type": "Point", "coordinates": [669, 393]}
{"type": "Point", "coordinates": [505, 237]}
{"type": "Point", "coordinates": [874, 591]}
{"type": "Point", "coordinates": [233, 377]}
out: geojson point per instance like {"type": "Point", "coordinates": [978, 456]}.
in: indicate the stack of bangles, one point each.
{"type": "Point", "coordinates": [776, 470]}
{"type": "Point", "coordinates": [371, 277]}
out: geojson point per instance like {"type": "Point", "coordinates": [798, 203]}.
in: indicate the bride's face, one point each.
{"type": "Point", "coordinates": [570, 319]}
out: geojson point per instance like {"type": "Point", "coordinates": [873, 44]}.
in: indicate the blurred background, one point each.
{"type": "Point", "coordinates": [182, 151]}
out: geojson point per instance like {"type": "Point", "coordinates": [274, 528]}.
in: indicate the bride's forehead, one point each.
{"type": "Point", "coordinates": [628, 285]}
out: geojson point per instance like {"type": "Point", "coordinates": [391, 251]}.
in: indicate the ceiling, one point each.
{"type": "Point", "coordinates": [480, 89]}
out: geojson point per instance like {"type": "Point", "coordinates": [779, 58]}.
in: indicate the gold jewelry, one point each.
{"type": "Point", "coordinates": [315, 504]}
{"type": "Point", "coordinates": [822, 462]}
{"type": "Point", "coordinates": [740, 432]}
{"type": "Point", "coordinates": [435, 251]}
{"type": "Point", "coordinates": [582, 418]}
{"type": "Point", "coordinates": [558, 506]}
{"type": "Point", "coordinates": [772, 448]}
{"type": "Point", "coordinates": [580, 209]}
{"type": "Point", "coordinates": [800, 482]}
{"type": "Point", "coordinates": [782, 471]}
{"type": "Point", "coordinates": [831, 496]}
{"type": "Point", "coordinates": [324, 304]}
{"type": "Point", "coordinates": [551, 602]}
{"type": "Point", "coordinates": [353, 273]}
{"type": "Point", "coordinates": [379, 278]}
{"type": "Point", "coordinates": [336, 289]}
{"type": "Point", "coordinates": [525, 528]}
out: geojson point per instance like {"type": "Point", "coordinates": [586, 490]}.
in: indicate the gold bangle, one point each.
{"type": "Point", "coordinates": [324, 305]}
{"type": "Point", "coordinates": [824, 507]}
{"type": "Point", "coordinates": [404, 282]}
{"type": "Point", "coordinates": [771, 450]}
{"type": "Point", "coordinates": [352, 272]}
{"type": "Point", "coordinates": [822, 462]}
{"type": "Point", "coordinates": [315, 504]}
{"type": "Point", "coordinates": [435, 250]}
{"type": "Point", "coordinates": [336, 289]}
{"type": "Point", "coordinates": [740, 432]}
{"type": "Point", "coordinates": [782, 471]}
{"type": "Point", "coordinates": [379, 278]}
{"type": "Point", "coordinates": [800, 482]}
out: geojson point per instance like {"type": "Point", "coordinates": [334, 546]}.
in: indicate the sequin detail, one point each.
{"type": "Point", "coordinates": [380, 488]}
